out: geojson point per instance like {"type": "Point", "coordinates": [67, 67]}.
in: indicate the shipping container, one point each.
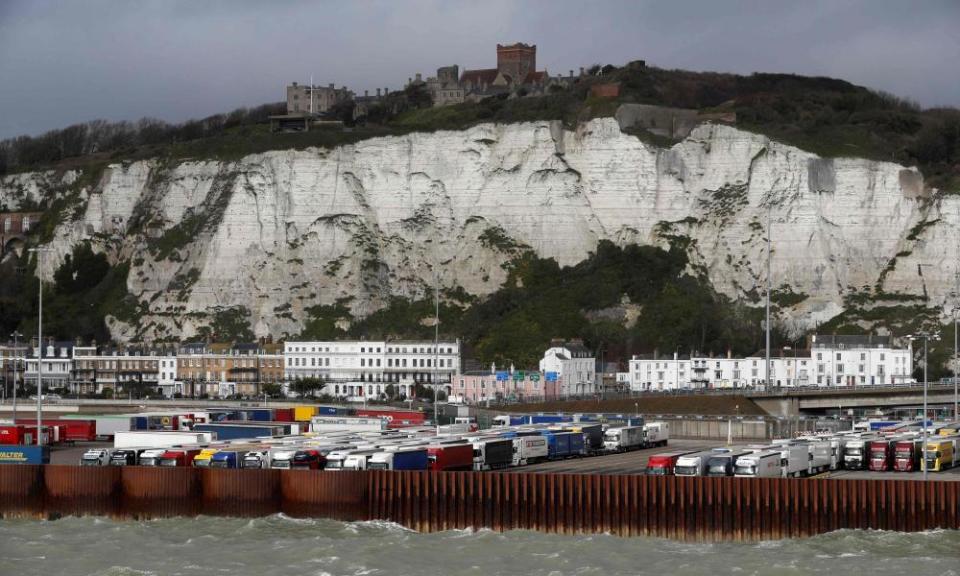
{"type": "Point", "coordinates": [400, 458]}
{"type": "Point", "coordinates": [304, 413]}
{"type": "Point", "coordinates": [16, 435]}
{"type": "Point", "coordinates": [283, 414]}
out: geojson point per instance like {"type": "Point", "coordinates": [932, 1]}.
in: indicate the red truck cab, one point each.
{"type": "Point", "coordinates": [177, 457]}
{"type": "Point", "coordinates": [663, 464]}
{"type": "Point", "coordinates": [445, 457]}
{"type": "Point", "coordinates": [907, 455]}
{"type": "Point", "coordinates": [881, 455]}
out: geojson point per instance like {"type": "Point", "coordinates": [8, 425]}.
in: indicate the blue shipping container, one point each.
{"type": "Point", "coordinates": [139, 423]}
{"type": "Point", "coordinates": [260, 414]}
{"type": "Point", "coordinates": [327, 410]}
{"type": "Point", "coordinates": [24, 455]}
{"type": "Point", "coordinates": [577, 444]}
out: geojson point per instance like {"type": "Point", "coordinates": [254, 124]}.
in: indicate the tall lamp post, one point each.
{"type": "Point", "coordinates": [16, 341]}
{"type": "Point", "coordinates": [767, 322]}
{"type": "Point", "coordinates": [40, 252]}
{"type": "Point", "coordinates": [926, 337]}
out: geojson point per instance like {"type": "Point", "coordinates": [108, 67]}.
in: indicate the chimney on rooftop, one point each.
{"type": "Point", "coordinates": [366, 93]}
{"type": "Point", "coordinates": [378, 92]}
{"type": "Point", "coordinates": [582, 72]}
{"type": "Point", "coordinates": [330, 85]}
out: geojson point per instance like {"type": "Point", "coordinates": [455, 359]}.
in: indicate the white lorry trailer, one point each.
{"type": "Point", "coordinates": [529, 449]}
{"type": "Point", "coordinates": [157, 439]}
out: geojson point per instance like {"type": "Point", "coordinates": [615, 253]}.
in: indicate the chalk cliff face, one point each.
{"type": "Point", "coordinates": [279, 232]}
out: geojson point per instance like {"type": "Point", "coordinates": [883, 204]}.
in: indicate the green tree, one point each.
{"type": "Point", "coordinates": [306, 386]}
{"type": "Point", "coordinates": [272, 390]}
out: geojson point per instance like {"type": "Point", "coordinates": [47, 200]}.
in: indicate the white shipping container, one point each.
{"type": "Point", "coordinates": [337, 423]}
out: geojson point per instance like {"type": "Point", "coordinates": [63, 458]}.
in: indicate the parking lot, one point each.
{"type": "Point", "coordinates": [625, 463]}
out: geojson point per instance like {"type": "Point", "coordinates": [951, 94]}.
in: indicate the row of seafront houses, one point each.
{"type": "Point", "coordinates": [360, 370]}
{"type": "Point", "coordinates": [352, 370]}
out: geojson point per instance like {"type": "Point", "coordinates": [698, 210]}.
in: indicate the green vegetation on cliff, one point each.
{"type": "Point", "coordinates": [827, 116]}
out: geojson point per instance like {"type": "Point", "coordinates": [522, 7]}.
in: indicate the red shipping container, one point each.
{"type": "Point", "coordinates": [283, 414]}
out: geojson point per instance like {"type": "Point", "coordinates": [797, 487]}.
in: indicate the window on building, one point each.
{"type": "Point", "coordinates": [839, 368]}
{"type": "Point", "coordinates": [861, 370]}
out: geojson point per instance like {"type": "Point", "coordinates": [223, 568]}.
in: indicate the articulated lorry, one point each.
{"type": "Point", "coordinates": [529, 449]}
{"type": "Point", "coordinates": [906, 457]}
{"type": "Point", "coordinates": [624, 438]}
{"type": "Point", "coordinates": [152, 456]}
{"type": "Point", "coordinates": [656, 434]}
{"type": "Point", "coordinates": [448, 457]}
{"type": "Point", "coordinates": [941, 453]}
{"type": "Point", "coordinates": [796, 460]}
{"type": "Point", "coordinates": [126, 456]}
{"type": "Point", "coordinates": [766, 464]}
{"type": "Point", "coordinates": [413, 458]}
{"type": "Point", "coordinates": [882, 453]}
{"type": "Point", "coordinates": [493, 453]}
{"type": "Point", "coordinates": [724, 464]}
{"type": "Point", "coordinates": [696, 464]}
{"type": "Point", "coordinates": [95, 457]}
{"type": "Point", "coordinates": [855, 452]}
{"type": "Point", "coordinates": [663, 464]}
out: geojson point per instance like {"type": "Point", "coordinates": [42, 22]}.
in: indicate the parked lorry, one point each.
{"type": "Point", "coordinates": [528, 449]}
{"type": "Point", "coordinates": [663, 464]}
{"type": "Point", "coordinates": [177, 457]}
{"type": "Point", "coordinates": [695, 464]}
{"type": "Point", "coordinates": [126, 456]}
{"type": "Point", "coordinates": [724, 463]}
{"type": "Point", "coordinates": [882, 454]}
{"type": "Point", "coordinates": [227, 458]}
{"type": "Point", "coordinates": [449, 457]}
{"type": "Point", "coordinates": [359, 459]}
{"type": "Point", "coordinates": [492, 453]}
{"type": "Point", "coordinates": [256, 459]}
{"type": "Point", "coordinates": [308, 459]}
{"type": "Point", "coordinates": [941, 453]}
{"type": "Point", "coordinates": [151, 457]}
{"type": "Point", "coordinates": [403, 458]}
{"type": "Point", "coordinates": [796, 460]}
{"type": "Point", "coordinates": [855, 452]}
{"type": "Point", "coordinates": [624, 438]}
{"type": "Point", "coordinates": [906, 455]}
{"type": "Point", "coordinates": [656, 434]}
{"type": "Point", "coordinates": [161, 439]}
{"type": "Point", "coordinates": [821, 455]}
{"type": "Point", "coordinates": [765, 464]}
{"type": "Point", "coordinates": [95, 457]}
{"type": "Point", "coordinates": [204, 458]}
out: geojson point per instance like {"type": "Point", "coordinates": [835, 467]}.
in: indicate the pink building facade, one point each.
{"type": "Point", "coordinates": [515, 386]}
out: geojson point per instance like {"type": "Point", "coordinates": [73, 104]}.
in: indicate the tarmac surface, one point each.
{"type": "Point", "coordinates": [625, 463]}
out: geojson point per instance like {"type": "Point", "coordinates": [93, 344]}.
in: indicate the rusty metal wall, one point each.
{"type": "Point", "coordinates": [681, 508]}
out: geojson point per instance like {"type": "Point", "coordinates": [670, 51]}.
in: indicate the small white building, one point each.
{"type": "Point", "coordinates": [571, 364]}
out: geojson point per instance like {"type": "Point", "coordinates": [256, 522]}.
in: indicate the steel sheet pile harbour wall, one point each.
{"type": "Point", "coordinates": [670, 507]}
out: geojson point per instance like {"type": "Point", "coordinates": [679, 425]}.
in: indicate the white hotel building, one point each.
{"type": "Point", "coordinates": [363, 369]}
{"type": "Point", "coordinates": [832, 361]}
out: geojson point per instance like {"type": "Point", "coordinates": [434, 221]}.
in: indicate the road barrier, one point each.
{"type": "Point", "coordinates": [698, 509]}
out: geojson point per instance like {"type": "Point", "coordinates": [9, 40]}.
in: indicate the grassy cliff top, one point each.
{"type": "Point", "coordinates": [826, 116]}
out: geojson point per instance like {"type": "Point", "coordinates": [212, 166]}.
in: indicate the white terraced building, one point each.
{"type": "Point", "coordinates": [831, 361]}
{"type": "Point", "coordinates": [363, 369]}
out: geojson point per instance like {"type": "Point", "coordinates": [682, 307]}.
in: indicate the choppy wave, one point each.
{"type": "Point", "coordinates": [282, 545]}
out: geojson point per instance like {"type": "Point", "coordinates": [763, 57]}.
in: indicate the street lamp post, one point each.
{"type": "Point", "coordinates": [767, 322]}
{"type": "Point", "coordinates": [16, 341]}
{"type": "Point", "coordinates": [926, 338]}
{"type": "Point", "coordinates": [40, 252]}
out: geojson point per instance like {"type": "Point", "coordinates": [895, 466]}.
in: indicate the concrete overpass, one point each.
{"type": "Point", "coordinates": [818, 401]}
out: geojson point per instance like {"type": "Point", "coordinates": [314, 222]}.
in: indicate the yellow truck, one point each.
{"type": "Point", "coordinates": [202, 460]}
{"type": "Point", "coordinates": [941, 453]}
{"type": "Point", "coordinates": [949, 429]}
{"type": "Point", "coordinates": [304, 413]}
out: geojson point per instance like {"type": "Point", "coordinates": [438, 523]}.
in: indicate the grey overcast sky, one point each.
{"type": "Point", "coordinates": [74, 61]}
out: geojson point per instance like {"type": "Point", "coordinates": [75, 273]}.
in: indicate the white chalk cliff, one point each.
{"type": "Point", "coordinates": [282, 231]}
